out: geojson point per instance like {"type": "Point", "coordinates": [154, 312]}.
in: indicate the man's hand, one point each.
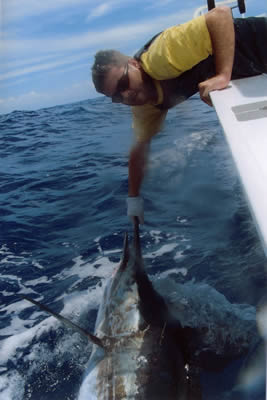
{"type": "Point", "coordinates": [215, 83]}
{"type": "Point", "coordinates": [221, 29]}
{"type": "Point", "coordinates": [135, 208]}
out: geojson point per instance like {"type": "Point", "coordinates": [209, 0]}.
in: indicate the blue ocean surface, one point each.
{"type": "Point", "coordinates": [63, 193]}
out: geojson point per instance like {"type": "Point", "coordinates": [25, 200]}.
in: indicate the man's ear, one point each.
{"type": "Point", "coordinates": [134, 63]}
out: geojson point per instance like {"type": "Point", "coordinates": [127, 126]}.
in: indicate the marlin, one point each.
{"type": "Point", "coordinates": [140, 351]}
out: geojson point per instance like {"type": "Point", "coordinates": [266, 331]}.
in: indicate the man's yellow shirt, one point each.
{"type": "Point", "coordinates": [174, 51]}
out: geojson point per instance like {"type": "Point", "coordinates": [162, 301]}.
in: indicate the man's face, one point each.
{"type": "Point", "coordinates": [125, 85]}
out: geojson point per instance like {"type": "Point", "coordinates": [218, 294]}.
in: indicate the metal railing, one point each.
{"type": "Point", "coordinates": [240, 4]}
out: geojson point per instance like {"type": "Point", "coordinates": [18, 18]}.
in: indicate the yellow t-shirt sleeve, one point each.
{"type": "Point", "coordinates": [147, 121]}
{"type": "Point", "coordinates": [178, 49]}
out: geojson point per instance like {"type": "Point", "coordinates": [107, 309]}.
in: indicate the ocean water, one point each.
{"type": "Point", "coordinates": [63, 196]}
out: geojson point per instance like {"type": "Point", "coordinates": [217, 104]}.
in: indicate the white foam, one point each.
{"type": "Point", "coordinates": [10, 277]}
{"type": "Point", "coordinates": [15, 326]}
{"type": "Point", "coordinates": [37, 264]}
{"type": "Point", "coordinates": [166, 248]}
{"type": "Point", "coordinates": [74, 306]}
{"type": "Point", "coordinates": [181, 220]}
{"type": "Point", "coordinates": [182, 271]}
{"type": "Point", "coordinates": [179, 255]}
{"type": "Point", "coordinates": [12, 386]}
{"type": "Point", "coordinates": [33, 282]}
{"type": "Point", "coordinates": [10, 345]}
{"type": "Point", "coordinates": [156, 236]}
{"type": "Point", "coordinates": [23, 288]}
{"type": "Point", "coordinates": [76, 303]}
{"type": "Point", "coordinates": [102, 267]}
{"type": "Point", "coordinates": [106, 252]}
{"type": "Point", "coordinates": [4, 249]}
{"type": "Point", "coordinates": [13, 259]}
{"type": "Point", "coordinates": [13, 348]}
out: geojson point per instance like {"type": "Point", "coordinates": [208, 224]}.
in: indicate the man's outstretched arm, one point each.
{"type": "Point", "coordinates": [221, 29]}
{"type": "Point", "coordinates": [137, 164]}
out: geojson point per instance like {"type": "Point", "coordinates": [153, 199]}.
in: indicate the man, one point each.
{"type": "Point", "coordinates": [201, 55]}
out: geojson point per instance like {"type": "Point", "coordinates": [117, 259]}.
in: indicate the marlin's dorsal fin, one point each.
{"type": "Point", "coordinates": [94, 339]}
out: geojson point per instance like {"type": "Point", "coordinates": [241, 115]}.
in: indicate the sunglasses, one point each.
{"type": "Point", "coordinates": [123, 84]}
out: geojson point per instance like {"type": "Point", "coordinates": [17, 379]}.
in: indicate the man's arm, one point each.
{"type": "Point", "coordinates": [221, 29]}
{"type": "Point", "coordinates": [137, 164]}
{"type": "Point", "coordinates": [147, 121]}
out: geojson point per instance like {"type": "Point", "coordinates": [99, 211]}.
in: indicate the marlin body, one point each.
{"type": "Point", "coordinates": [139, 350]}
{"type": "Point", "coordinates": [144, 358]}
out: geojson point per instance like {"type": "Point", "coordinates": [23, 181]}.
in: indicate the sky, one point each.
{"type": "Point", "coordinates": [47, 47]}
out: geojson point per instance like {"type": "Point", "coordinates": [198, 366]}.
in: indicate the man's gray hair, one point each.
{"type": "Point", "coordinates": [104, 61]}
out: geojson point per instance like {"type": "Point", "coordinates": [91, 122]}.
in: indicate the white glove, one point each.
{"type": "Point", "coordinates": [135, 208]}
